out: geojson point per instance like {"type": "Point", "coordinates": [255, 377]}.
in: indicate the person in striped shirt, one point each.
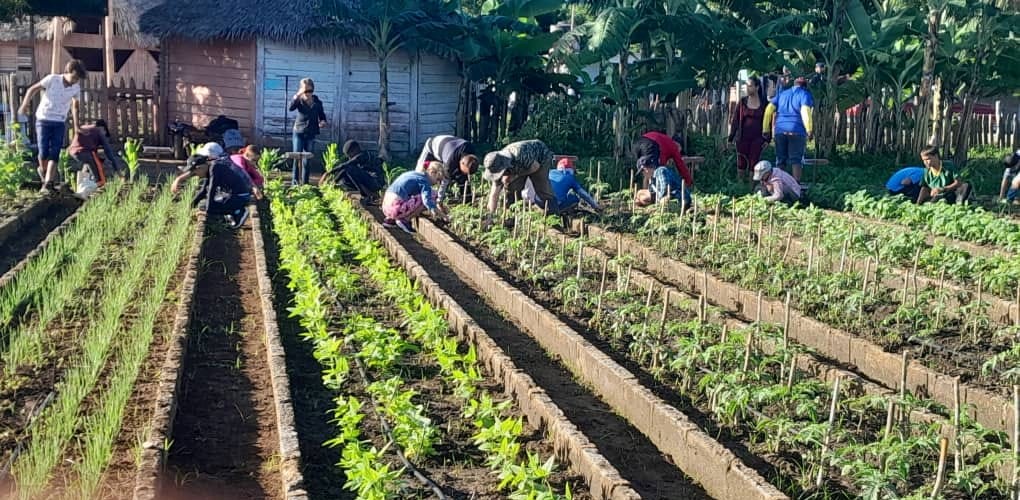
{"type": "Point", "coordinates": [456, 155]}
{"type": "Point", "coordinates": [512, 166]}
{"type": "Point", "coordinates": [776, 184]}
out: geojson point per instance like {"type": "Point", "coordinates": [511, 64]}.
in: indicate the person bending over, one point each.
{"type": "Point", "coordinates": [512, 166]}
{"type": "Point", "coordinates": [664, 184]}
{"type": "Point", "coordinates": [906, 182]}
{"type": "Point", "coordinates": [776, 185]}
{"type": "Point", "coordinates": [362, 172]}
{"type": "Point", "coordinates": [84, 150]}
{"type": "Point", "coordinates": [457, 156]}
{"type": "Point", "coordinates": [226, 190]}
{"type": "Point", "coordinates": [411, 194]}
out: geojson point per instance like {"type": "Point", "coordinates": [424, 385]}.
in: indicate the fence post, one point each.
{"type": "Point", "coordinates": [1000, 133]}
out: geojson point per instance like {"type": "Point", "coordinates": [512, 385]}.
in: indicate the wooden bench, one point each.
{"type": "Point", "coordinates": [159, 151]}
{"type": "Point", "coordinates": [296, 161]}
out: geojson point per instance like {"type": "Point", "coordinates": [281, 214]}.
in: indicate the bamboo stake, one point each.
{"type": "Point", "coordinates": [786, 323]}
{"type": "Point", "coordinates": [833, 404]}
{"type": "Point", "coordinates": [864, 283]}
{"type": "Point", "coordinates": [626, 281]}
{"type": "Point", "coordinates": [940, 474]}
{"type": "Point", "coordinates": [890, 412]}
{"type": "Point", "coordinates": [789, 243]}
{"type": "Point", "coordinates": [757, 314]}
{"type": "Point", "coordinates": [715, 222]}
{"type": "Point", "coordinates": [1016, 440]}
{"type": "Point", "coordinates": [665, 308]}
{"type": "Point", "coordinates": [722, 341]}
{"type": "Point", "coordinates": [811, 256]}
{"type": "Point", "coordinates": [1018, 303]}
{"type": "Point", "coordinates": [598, 182]}
{"type": "Point", "coordinates": [735, 221]}
{"type": "Point", "coordinates": [747, 350]}
{"type": "Point", "coordinates": [842, 256]}
{"type": "Point", "coordinates": [957, 443]}
{"type": "Point", "coordinates": [701, 308]}
{"type": "Point", "coordinates": [602, 291]}
{"type": "Point", "coordinates": [761, 229]}
{"type": "Point", "coordinates": [580, 257]}
{"type": "Point", "coordinates": [979, 300]}
{"type": "Point", "coordinates": [917, 256]}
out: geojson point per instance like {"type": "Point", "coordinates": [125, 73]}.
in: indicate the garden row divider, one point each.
{"type": "Point", "coordinates": [290, 452]}
{"type": "Point", "coordinates": [1000, 310]}
{"type": "Point", "coordinates": [604, 481]}
{"type": "Point", "coordinates": [931, 239]}
{"type": "Point", "coordinates": [989, 409]}
{"type": "Point", "coordinates": [154, 452]}
{"type": "Point", "coordinates": [715, 468]}
{"type": "Point", "coordinates": [12, 272]}
{"type": "Point", "coordinates": [807, 363]}
{"type": "Point", "coordinates": [11, 226]}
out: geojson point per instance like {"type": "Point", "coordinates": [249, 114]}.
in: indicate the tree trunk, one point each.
{"type": "Point", "coordinates": [966, 122]}
{"type": "Point", "coordinates": [463, 106]}
{"type": "Point", "coordinates": [384, 109]}
{"type": "Point", "coordinates": [927, 126]}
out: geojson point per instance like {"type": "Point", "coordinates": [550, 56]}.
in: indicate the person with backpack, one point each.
{"type": "Point", "coordinates": [60, 94]}
{"type": "Point", "coordinates": [457, 155]}
{"type": "Point", "coordinates": [311, 118]}
{"type": "Point", "coordinates": [362, 172]}
{"type": "Point", "coordinates": [746, 127]}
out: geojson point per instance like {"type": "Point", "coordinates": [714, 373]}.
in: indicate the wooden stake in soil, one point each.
{"type": "Point", "coordinates": [833, 404]}
{"type": "Point", "coordinates": [722, 341]}
{"type": "Point", "coordinates": [917, 256]}
{"type": "Point", "coordinates": [580, 257]}
{"type": "Point", "coordinates": [715, 222]}
{"type": "Point", "coordinates": [957, 443]}
{"type": "Point", "coordinates": [757, 314]}
{"type": "Point", "coordinates": [702, 308]}
{"type": "Point", "coordinates": [665, 307]}
{"type": "Point", "coordinates": [747, 350]}
{"type": "Point", "coordinates": [889, 415]}
{"type": "Point", "coordinates": [940, 474]}
{"type": "Point", "coordinates": [602, 291]}
{"type": "Point", "coordinates": [789, 242]}
{"type": "Point", "coordinates": [842, 256]}
{"type": "Point", "coordinates": [786, 322]}
{"type": "Point", "coordinates": [811, 256]}
{"type": "Point", "coordinates": [864, 283]}
{"type": "Point", "coordinates": [1016, 441]}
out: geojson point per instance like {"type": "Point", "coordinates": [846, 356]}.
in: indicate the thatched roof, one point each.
{"type": "Point", "coordinates": [126, 14]}
{"type": "Point", "coordinates": [279, 20]}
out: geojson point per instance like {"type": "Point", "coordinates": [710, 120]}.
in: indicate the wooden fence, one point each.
{"type": "Point", "coordinates": [130, 110]}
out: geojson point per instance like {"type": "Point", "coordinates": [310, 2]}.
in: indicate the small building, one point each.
{"type": "Point", "coordinates": [245, 59]}
{"type": "Point", "coordinates": [135, 55]}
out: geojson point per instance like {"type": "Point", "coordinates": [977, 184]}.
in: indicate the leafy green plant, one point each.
{"type": "Point", "coordinates": [132, 153]}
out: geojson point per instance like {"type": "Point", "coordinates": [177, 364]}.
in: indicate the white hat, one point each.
{"type": "Point", "coordinates": [763, 167]}
{"type": "Point", "coordinates": [211, 150]}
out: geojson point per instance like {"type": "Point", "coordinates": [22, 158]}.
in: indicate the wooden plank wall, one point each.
{"type": "Point", "coordinates": [281, 68]}
{"type": "Point", "coordinates": [209, 79]}
{"type": "Point", "coordinates": [438, 93]}
{"type": "Point", "coordinates": [361, 100]}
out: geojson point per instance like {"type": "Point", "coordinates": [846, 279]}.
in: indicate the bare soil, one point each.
{"type": "Point", "coordinates": [225, 442]}
{"type": "Point", "coordinates": [650, 472]}
{"type": "Point", "coordinates": [16, 247]}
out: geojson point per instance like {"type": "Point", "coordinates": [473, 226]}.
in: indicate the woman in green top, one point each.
{"type": "Point", "coordinates": [940, 181]}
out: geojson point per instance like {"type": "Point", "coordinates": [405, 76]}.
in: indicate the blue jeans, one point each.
{"type": "Point", "coordinates": [302, 143]}
{"type": "Point", "coordinates": [790, 149]}
{"type": "Point", "coordinates": [663, 182]}
{"type": "Point", "coordinates": [50, 136]}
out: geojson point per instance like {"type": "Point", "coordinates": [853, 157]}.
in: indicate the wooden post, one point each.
{"type": "Point", "coordinates": [1016, 440]}
{"type": "Point", "coordinates": [940, 474]}
{"type": "Point", "coordinates": [108, 62]}
{"type": "Point", "coordinates": [833, 404]}
{"type": "Point", "coordinates": [957, 443]}
{"type": "Point", "coordinates": [57, 27]}
{"type": "Point", "coordinates": [786, 323]}
{"type": "Point", "coordinates": [602, 291]}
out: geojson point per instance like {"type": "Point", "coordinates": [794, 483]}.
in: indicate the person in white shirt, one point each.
{"type": "Point", "coordinates": [60, 93]}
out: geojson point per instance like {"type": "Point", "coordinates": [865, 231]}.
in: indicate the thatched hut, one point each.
{"type": "Point", "coordinates": [244, 59]}
{"type": "Point", "coordinates": [135, 53]}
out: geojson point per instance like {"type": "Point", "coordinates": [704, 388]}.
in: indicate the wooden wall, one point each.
{"type": "Point", "coordinates": [205, 80]}
{"type": "Point", "coordinates": [423, 92]}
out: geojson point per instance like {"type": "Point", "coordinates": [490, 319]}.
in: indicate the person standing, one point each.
{"type": "Point", "coordinates": [457, 155]}
{"type": "Point", "coordinates": [788, 118]}
{"type": "Point", "coordinates": [512, 166]}
{"type": "Point", "coordinates": [663, 148]}
{"type": "Point", "coordinates": [746, 127]}
{"type": "Point", "coordinates": [60, 94]}
{"type": "Point", "coordinates": [311, 118]}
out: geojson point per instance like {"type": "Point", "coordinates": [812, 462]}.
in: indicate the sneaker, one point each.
{"type": "Point", "coordinates": [389, 223]}
{"type": "Point", "coordinates": [406, 226]}
{"type": "Point", "coordinates": [239, 217]}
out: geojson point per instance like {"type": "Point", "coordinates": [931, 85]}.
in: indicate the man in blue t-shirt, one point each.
{"type": "Point", "coordinates": [788, 116]}
{"type": "Point", "coordinates": [906, 182]}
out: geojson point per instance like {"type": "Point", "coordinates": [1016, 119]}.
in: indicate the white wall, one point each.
{"type": "Point", "coordinates": [423, 91]}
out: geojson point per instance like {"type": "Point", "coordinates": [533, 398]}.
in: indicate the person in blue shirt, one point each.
{"type": "Point", "coordinates": [568, 190]}
{"type": "Point", "coordinates": [906, 182]}
{"type": "Point", "coordinates": [410, 194]}
{"type": "Point", "coordinates": [665, 185]}
{"type": "Point", "coordinates": [788, 119]}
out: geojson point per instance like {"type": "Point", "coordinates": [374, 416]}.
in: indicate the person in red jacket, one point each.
{"type": "Point", "coordinates": [664, 148]}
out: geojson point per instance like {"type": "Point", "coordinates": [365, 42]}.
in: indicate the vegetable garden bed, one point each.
{"type": "Point", "coordinates": [834, 298]}
{"type": "Point", "coordinates": [80, 318]}
{"type": "Point", "coordinates": [21, 231]}
{"type": "Point", "coordinates": [689, 364]}
{"type": "Point", "coordinates": [408, 394]}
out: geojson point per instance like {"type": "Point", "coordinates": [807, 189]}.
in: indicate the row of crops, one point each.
{"type": "Point", "coordinates": [820, 440]}
{"type": "Point", "coordinates": [78, 322]}
{"type": "Point", "coordinates": [396, 370]}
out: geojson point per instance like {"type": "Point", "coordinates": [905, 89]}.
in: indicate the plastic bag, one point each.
{"type": "Point", "coordinates": [86, 183]}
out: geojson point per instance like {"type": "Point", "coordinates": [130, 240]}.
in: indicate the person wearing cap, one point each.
{"type": "Point", "coordinates": [226, 190]}
{"type": "Point", "coordinates": [84, 149]}
{"type": "Point", "coordinates": [663, 148]}
{"type": "Point", "coordinates": [906, 182]}
{"type": "Point", "coordinates": [457, 155]}
{"type": "Point", "coordinates": [940, 181]}
{"type": "Point", "coordinates": [362, 171]}
{"type": "Point", "coordinates": [247, 160]}
{"type": "Point", "coordinates": [776, 185]}
{"type": "Point", "coordinates": [665, 184]}
{"type": "Point", "coordinates": [788, 118]}
{"type": "Point", "coordinates": [512, 166]}
{"type": "Point", "coordinates": [410, 194]}
{"type": "Point", "coordinates": [1009, 190]}
{"type": "Point", "coordinates": [209, 150]}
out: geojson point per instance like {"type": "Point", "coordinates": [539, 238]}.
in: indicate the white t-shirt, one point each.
{"type": "Point", "coordinates": [56, 98]}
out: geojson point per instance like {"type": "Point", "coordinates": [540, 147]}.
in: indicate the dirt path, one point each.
{"type": "Point", "coordinates": [651, 474]}
{"type": "Point", "coordinates": [225, 439]}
